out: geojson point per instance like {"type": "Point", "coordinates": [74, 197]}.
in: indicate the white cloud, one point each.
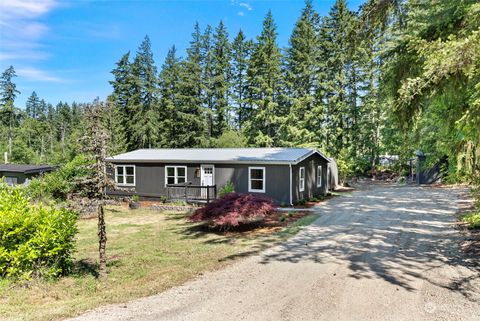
{"type": "Point", "coordinates": [35, 74]}
{"type": "Point", "coordinates": [25, 8]}
{"type": "Point", "coordinates": [246, 6]}
{"type": "Point", "coordinates": [243, 6]}
{"type": "Point", "coordinates": [21, 29]}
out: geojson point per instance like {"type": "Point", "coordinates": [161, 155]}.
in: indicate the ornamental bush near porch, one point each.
{"type": "Point", "coordinates": [234, 209]}
{"type": "Point", "coordinates": [35, 240]}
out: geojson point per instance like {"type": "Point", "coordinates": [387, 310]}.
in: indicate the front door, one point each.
{"type": "Point", "coordinates": [207, 176]}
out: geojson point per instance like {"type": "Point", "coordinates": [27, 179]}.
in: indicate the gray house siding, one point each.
{"type": "Point", "coordinates": [311, 188]}
{"type": "Point", "coordinates": [277, 179]}
{"type": "Point", "coordinates": [21, 177]}
{"type": "Point", "coordinates": [150, 178]}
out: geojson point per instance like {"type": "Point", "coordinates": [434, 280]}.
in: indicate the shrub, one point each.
{"type": "Point", "coordinates": [302, 202]}
{"type": "Point", "coordinates": [60, 183]}
{"type": "Point", "coordinates": [226, 189]}
{"type": "Point", "coordinates": [234, 209]}
{"type": "Point", "coordinates": [34, 240]}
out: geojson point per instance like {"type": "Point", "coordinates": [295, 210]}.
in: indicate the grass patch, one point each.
{"type": "Point", "coordinates": [148, 252]}
{"type": "Point", "coordinates": [296, 226]}
{"type": "Point", "coordinates": [471, 219]}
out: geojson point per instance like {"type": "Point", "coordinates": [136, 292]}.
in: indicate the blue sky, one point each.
{"type": "Point", "coordinates": [65, 50]}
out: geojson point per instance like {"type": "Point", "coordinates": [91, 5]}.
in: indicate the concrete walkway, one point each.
{"type": "Point", "coordinates": [386, 253]}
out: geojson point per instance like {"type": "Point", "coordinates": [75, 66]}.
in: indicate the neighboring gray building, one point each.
{"type": "Point", "coordinates": [284, 174]}
{"type": "Point", "coordinates": [14, 174]}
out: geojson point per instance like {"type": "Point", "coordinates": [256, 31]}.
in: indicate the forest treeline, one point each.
{"type": "Point", "coordinates": [390, 78]}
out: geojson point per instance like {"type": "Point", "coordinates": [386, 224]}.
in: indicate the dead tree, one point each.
{"type": "Point", "coordinates": [95, 185]}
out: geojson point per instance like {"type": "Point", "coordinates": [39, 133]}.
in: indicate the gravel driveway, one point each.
{"type": "Point", "coordinates": [384, 253]}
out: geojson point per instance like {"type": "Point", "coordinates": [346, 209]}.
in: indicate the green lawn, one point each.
{"type": "Point", "coordinates": [148, 252]}
{"type": "Point", "coordinates": [472, 219]}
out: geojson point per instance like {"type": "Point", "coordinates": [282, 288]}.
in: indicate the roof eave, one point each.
{"type": "Point", "coordinates": [171, 161]}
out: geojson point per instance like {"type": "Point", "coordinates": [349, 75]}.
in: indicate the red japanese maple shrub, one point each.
{"type": "Point", "coordinates": [234, 209]}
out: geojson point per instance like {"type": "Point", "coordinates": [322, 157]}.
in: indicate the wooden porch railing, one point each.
{"type": "Point", "coordinates": [191, 193]}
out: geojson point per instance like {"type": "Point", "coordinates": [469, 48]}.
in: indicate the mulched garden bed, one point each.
{"type": "Point", "coordinates": [271, 224]}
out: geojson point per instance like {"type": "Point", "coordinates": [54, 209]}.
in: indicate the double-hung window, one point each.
{"type": "Point", "coordinates": [125, 175]}
{"type": "Point", "coordinates": [301, 179]}
{"type": "Point", "coordinates": [175, 174]}
{"type": "Point", "coordinates": [256, 179]}
{"type": "Point", "coordinates": [11, 180]}
{"type": "Point", "coordinates": [319, 175]}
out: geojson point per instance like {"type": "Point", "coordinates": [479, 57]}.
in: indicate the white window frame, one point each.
{"type": "Point", "coordinates": [175, 173]}
{"type": "Point", "coordinates": [301, 181]}
{"type": "Point", "coordinates": [319, 175]}
{"type": "Point", "coordinates": [250, 189]}
{"type": "Point", "coordinates": [125, 175]}
{"type": "Point", "coordinates": [11, 180]}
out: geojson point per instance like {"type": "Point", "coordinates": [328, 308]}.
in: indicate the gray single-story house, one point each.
{"type": "Point", "coordinates": [14, 174]}
{"type": "Point", "coordinates": [287, 175]}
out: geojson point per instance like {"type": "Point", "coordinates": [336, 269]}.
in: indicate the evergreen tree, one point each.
{"type": "Point", "coordinates": [336, 35]}
{"type": "Point", "coordinates": [301, 72]}
{"type": "Point", "coordinates": [191, 129]}
{"type": "Point", "coordinates": [264, 80]}
{"type": "Point", "coordinates": [113, 123]}
{"type": "Point", "coordinates": [32, 105]}
{"type": "Point", "coordinates": [42, 110]}
{"type": "Point", "coordinates": [121, 99]}
{"type": "Point", "coordinates": [7, 98]}
{"type": "Point", "coordinates": [241, 51]}
{"type": "Point", "coordinates": [221, 78]}
{"type": "Point", "coordinates": [206, 64]}
{"type": "Point", "coordinates": [170, 110]}
{"type": "Point", "coordinates": [145, 116]}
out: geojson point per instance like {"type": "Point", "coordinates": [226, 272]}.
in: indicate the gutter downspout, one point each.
{"type": "Point", "coordinates": [291, 197]}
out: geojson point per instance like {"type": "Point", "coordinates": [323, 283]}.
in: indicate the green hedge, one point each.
{"type": "Point", "coordinates": [35, 240]}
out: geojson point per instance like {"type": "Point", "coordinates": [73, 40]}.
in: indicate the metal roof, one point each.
{"type": "Point", "coordinates": [24, 168]}
{"type": "Point", "coordinates": [218, 155]}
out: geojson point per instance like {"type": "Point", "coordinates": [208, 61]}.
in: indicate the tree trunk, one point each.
{"type": "Point", "coordinates": [102, 242]}
{"type": "Point", "coordinates": [10, 134]}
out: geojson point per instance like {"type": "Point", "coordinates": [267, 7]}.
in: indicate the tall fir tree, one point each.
{"type": "Point", "coordinates": [221, 81]}
{"type": "Point", "coordinates": [241, 51]}
{"type": "Point", "coordinates": [7, 98]}
{"type": "Point", "coordinates": [301, 71]}
{"type": "Point", "coordinates": [264, 80]}
{"type": "Point", "coordinates": [191, 128]}
{"type": "Point", "coordinates": [121, 98]}
{"type": "Point", "coordinates": [32, 105]}
{"type": "Point", "coordinates": [170, 110]}
{"type": "Point", "coordinates": [336, 32]}
{"type": "Point", "coordinates": [207, 67]}
{"type": "Point", "coordinates": [145, 116]}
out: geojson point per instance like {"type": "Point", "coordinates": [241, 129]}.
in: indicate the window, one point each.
{"type": "Point", "coordinates": [175, 174]}
{"type": "Point", "coordinates": [301, 180]}
{"type": "Point", "coordinates": [125, 175]}
{"type": "Point", "coordinates": [256, 179]}
{"type": "Point", "coordinates": [11, 180]}
{"type": "Point", "coordinates": [319, 175]}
